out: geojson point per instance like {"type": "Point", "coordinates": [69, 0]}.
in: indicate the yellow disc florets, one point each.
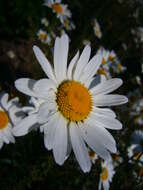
{"type": "Point", "coordinates": [3, 119]}
{"type": "Point", "coordinates": [57, 8]}
{"type": "Point", "coordinates": [74, 101]}
{"type": "Point", "coordinates": [104, 174]}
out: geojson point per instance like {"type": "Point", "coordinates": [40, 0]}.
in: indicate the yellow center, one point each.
{"type": "Point", "coordinates": [57, 8]}
{"type": "Point", "coordinates": [43, 36]}
{"type": "Point", "coordinates": [104, 174]}
{"type": "Point", "coordinates": [104, 61]}
{"type": "Point", "coordinates": [115, 157]}
{"type": "Point", "coordinates": [3, 119]}
{"type": "Point", "coordinates": [119, 66]}
{"type": "Point", "coordinates": [74, 101]}
{"type": "Point", "coordinates": [102, 72]}
{"type": "Point", "coordinates": [92, 154]}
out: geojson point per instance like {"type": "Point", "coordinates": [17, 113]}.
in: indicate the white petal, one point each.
{"type": "Point", "coordinates": [13, 101]}
{"type": "Point", "coordinates": [43, 113]}
{"type": "Point", "coordinates": [91, 68]}
{"type": "Point", "coordinates": [49, 131]}
{"type": "Point", "coordinates": [83, 60]}
{"type": "Point", "coordinates": [69, 146]}
{"type": "Point", "coordinates": [101, 134]}
{"type": "Point", "coordinates": [106, 185]}
{"type": "Point", "coordinates": [43, 61]}
{"type": "Point", "coordinates": [8, 135]}
{"type": "Point", "coordinates": [107, 86]}
{"type": "Point", "coordinates": [60, 57]}
{"type": "Point", "coordinates": [23, 127]}
{"type": "Point", "coordinates": [93, 142]}
{"type": "Point", "coordinates": [107, 122]}
{"type": "Point", "coordinates": [79, 148]}
{"type": "Point", "coordinates": [96, 80]}
{"type": "Point", "coordinates": [104, 111]}
{"type": "Point", "coordinates": [4, 101]}
{"type": "Point", "coordinates": [42, 87]}
{"type": "Point", "coordinates": [25, 86]}
{"type": "Point", "coordinates": [60, 141]}
{"type": "Point", "coordinates": [15, 114]}
{"type": "Point", "coordinates": [109, 100]}
{"type": "Point", "coordinates": [88, 82]}
{"type": "Point", "coordinates": [1, 142]}
{"type": "Point", "coordinates": [71, 66]}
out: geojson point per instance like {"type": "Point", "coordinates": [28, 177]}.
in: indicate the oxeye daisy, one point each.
{"type": "Point", "coordinates": [60, 9]}
{"type": "Point", "coordinates": [31, 120]}
{"type": "Point", "coordinates": [44, 36]}
{"type": "Point", "coordinates": [73, 112]}
{"type": "Point", "coordinates": [135, 151]}
{"type": "Point", "coordinates": [10, 115]}
{"type": "Point", "coordinates": [106, 175]}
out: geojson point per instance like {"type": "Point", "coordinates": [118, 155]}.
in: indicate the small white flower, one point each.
{"type": "Point", "coordinates": [72, 112]}
{"type": "Point", "coordinates": [45, 22]}
{"type": "Point", "coordinates": [60, 9]}
{"type": "Point", "coordinates": [31, 121]}
{"type": "Point", "coordinates": [44, 36]}
{"type": "Point", "coordinates": [106, 175]}
{"type": "Point", "coordinates": [135, 151]}
{"type": "Point", "coordinates": [10, 115]}
{"type": "Point", "coordinates": [97, 29]}
{"type": "Point", "coordinates": [11, 54]}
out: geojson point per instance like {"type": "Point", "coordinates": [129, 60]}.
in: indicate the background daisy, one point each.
{"type": "Point", "coordinates": [10, 115]}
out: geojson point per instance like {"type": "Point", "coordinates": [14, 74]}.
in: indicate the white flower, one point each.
{"type": "Point", "coordinates": [106, 175]}
{"type": "Point", "coordinates": [11, 54]}
{"type": "Point", "coordinates": [31, 121]}
{"type": "Point", "coordinates": [110, 62]}
{"type": "Point", "coordinates": [135, 151]}
{"type": "Point", "coordinates": [10, 115]}
{"type": "Point", "coordinates": [60, 9]}
{"type": "Point", "coordinates": [45, 22]}
{"type": "Point", "coordinates": [72, 112]}
{"type": "Point", "coordinates": [97, 29]}
{"type": "Point", "coordinates": [44, 36]}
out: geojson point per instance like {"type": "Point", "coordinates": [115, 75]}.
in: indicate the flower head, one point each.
{"type": "Point", "coordinates": [44, 36]}
{"type": "Point", "coordinates": [72, 113]}
{"type": "Point", "coordinates": [60, 9]}
{"type": "Point", "coordinates": [10, 115]}
{"type": "Point", "coordinates": [106, 175]}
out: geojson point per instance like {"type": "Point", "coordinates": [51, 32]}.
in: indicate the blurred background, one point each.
{"type": "Point", "coordinates": [113, 26]}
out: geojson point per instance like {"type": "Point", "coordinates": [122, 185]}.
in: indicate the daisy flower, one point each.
{"type": "Point", "coordinates": [135, 151]}
{"type": "Point", "coordinates": [73, 113]}
{"type": "Point", "coordinates": [60, 9]}
{"type": "Point", "coordinates": [106, 175]}
{"type": "Point", "coordinates": [44, 36]}
{"type": "Point", "coordinates": [31, 121]}
{"type": "Point", "coordinates": [10, 115]}
{"type": "Point", "coordinates": [45, 22]}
